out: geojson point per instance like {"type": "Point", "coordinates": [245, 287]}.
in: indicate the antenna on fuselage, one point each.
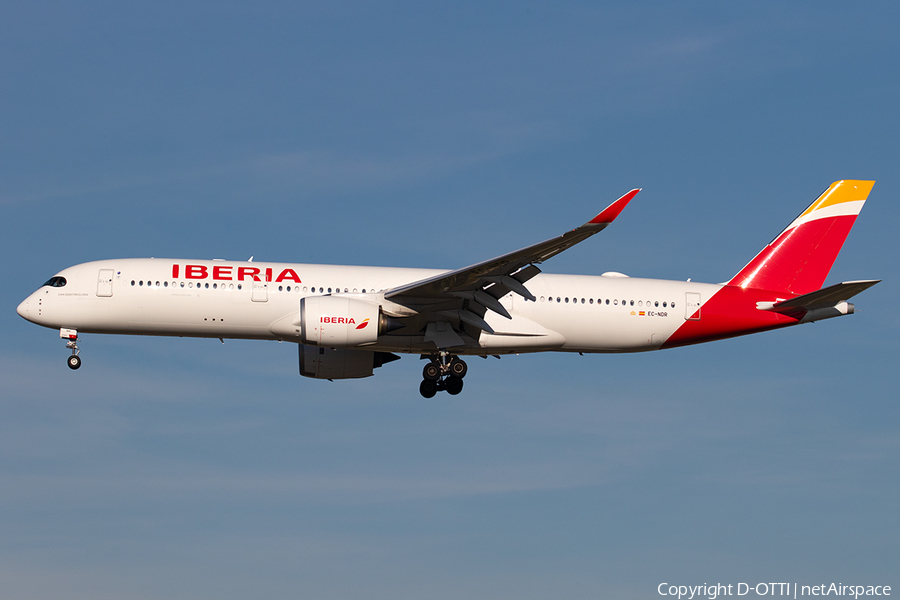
{"type": "Point", "coordinates": [250, 259]}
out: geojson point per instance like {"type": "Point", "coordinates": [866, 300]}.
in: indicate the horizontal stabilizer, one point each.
{"type": "Point", "coordinates": [825, 297]}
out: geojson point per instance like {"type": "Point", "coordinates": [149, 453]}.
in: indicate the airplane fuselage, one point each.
{"type": "Point", "coordinates": [225, 299]}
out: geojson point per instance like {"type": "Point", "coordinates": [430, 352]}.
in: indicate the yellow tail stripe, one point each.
{"type": "Point", "coordinates": [848, 190]}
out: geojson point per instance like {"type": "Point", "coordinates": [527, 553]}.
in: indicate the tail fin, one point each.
{"type": "Point", "coordinates": [798, 260]}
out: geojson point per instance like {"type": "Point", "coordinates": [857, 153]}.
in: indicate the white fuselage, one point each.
{"type": "Point", "coordinates": [227, 299]}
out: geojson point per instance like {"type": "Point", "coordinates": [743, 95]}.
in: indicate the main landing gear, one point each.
{"type": "Point", "coordinates": [71, 337]}
{"type": "Point", "coordinates": [443, 373]}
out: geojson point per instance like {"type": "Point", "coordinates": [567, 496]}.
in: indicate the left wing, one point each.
{"type": "Point", "coordinates": [465, 294]}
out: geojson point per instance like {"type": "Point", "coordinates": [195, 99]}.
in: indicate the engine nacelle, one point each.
{"type": "Point", "coordinates": [339, 322]}
{"type": "Point", "coordinates": [340, 363]}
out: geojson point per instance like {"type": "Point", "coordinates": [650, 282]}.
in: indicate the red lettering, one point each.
{"type": "Point", "coordinates": [337, 320]}
{"type": "Point", "coordinates": [243, 272]}
{"type": "Point", "coordinates": [269, 274]}
{"type": "Point", "coordinates": [174, 271]}
{"type": "Point", "coordinates": [288, 274]}
{"type": "Point", "coordinates": [222, 273]}
{"type": "Point", "coordinates": [195, 272]}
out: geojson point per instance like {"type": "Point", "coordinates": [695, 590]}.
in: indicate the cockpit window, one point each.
{"type": "Point", "coordinates": [56, 282]}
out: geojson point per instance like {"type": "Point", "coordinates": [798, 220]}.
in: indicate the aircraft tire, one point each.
{"type": "Point", "coordinates": [431, 372]}
{"type": "Point", "coordinates": [458, 367]}
{"type": "Point", "coordinates": [428, 389]}
{"type": "Point", "coordinates": [453, 385]}
{"type": "Point", "coordinates": [74, 362]}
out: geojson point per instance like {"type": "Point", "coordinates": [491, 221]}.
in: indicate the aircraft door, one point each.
{"type": "Point", "coordinates": [104, 283]}
{"type": "Point", "coordinates": [260, 291]}
{"type": "Point", "coordinates": [691, 306]}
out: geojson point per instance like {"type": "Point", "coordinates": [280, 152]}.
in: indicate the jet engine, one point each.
{"type": "Point", "coordinates": [340, 363]}
{"type": "Point", "coordinates": [340, 322]}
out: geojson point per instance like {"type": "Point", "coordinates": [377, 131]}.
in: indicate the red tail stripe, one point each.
{"type": "Point", "coordinates": [799, 260]}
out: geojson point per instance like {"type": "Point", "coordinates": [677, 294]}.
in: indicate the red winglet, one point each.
{"type": "Point", "coordinates": [612, 211]}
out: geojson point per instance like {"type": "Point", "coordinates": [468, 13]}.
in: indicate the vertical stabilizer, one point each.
{"type": "Point", "coordinates": [799, 259]}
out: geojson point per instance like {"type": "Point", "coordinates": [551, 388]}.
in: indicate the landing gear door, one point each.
{"type": "Point", "coordinates": [691, 306]}
{"type": "Point", "coordinates": [260, 291]}
{"type": "Point", "coordinates": [104, 283]}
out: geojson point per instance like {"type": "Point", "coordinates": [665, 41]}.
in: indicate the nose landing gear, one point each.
{"type": "Point", "coordinates": [442, 374]}
{"type": "Point", "coordinates": [71, 337]}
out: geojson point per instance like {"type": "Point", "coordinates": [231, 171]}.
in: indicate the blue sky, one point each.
{"type": "Point", "coordinates": [436, 136]}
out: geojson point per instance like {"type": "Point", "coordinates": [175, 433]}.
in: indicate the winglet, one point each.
{"type": "Point", "coordinates": [612, 211]}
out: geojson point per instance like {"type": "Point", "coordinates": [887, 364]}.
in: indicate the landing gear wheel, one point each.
{"type": "Point", "coordinates": [428, 389]}
{"type": "Point", "coordinates": [431, 372]}
{"type": "Point", "coordinates": [458, 367]}
{"type": "Point", "coordinates": [453, 385]}
{"type": "Point", "coordinates": [74, 362]}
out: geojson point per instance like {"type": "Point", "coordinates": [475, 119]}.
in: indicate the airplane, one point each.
{"type": "Point", "coordinates": [349, 320]}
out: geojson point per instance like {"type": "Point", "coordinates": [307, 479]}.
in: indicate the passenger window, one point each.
{"type": "Point", "coordinates": [132, 282]}
{"type": "Point", "coordinates": [664, 304]}
{"type": "Point", "coordinates": [607, 301]}
{"type": "Point", "coordinates": [591, 300]}
{"type": "Point", "coordinates": [558, 300]}
{"type": "Point", "coordinates": [656, 303]}
{"type": "Point", "coordinates": [616, 302]}
{"type": "Point", "coordinates": [567, 299]}
{"type": "Point", "coordinates": [280, 288]}
{"type": "Point", "coordinates": [631, 302]}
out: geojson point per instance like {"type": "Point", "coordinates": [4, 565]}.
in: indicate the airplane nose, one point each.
{"type": "Point", "coordinates": [23, 309]}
